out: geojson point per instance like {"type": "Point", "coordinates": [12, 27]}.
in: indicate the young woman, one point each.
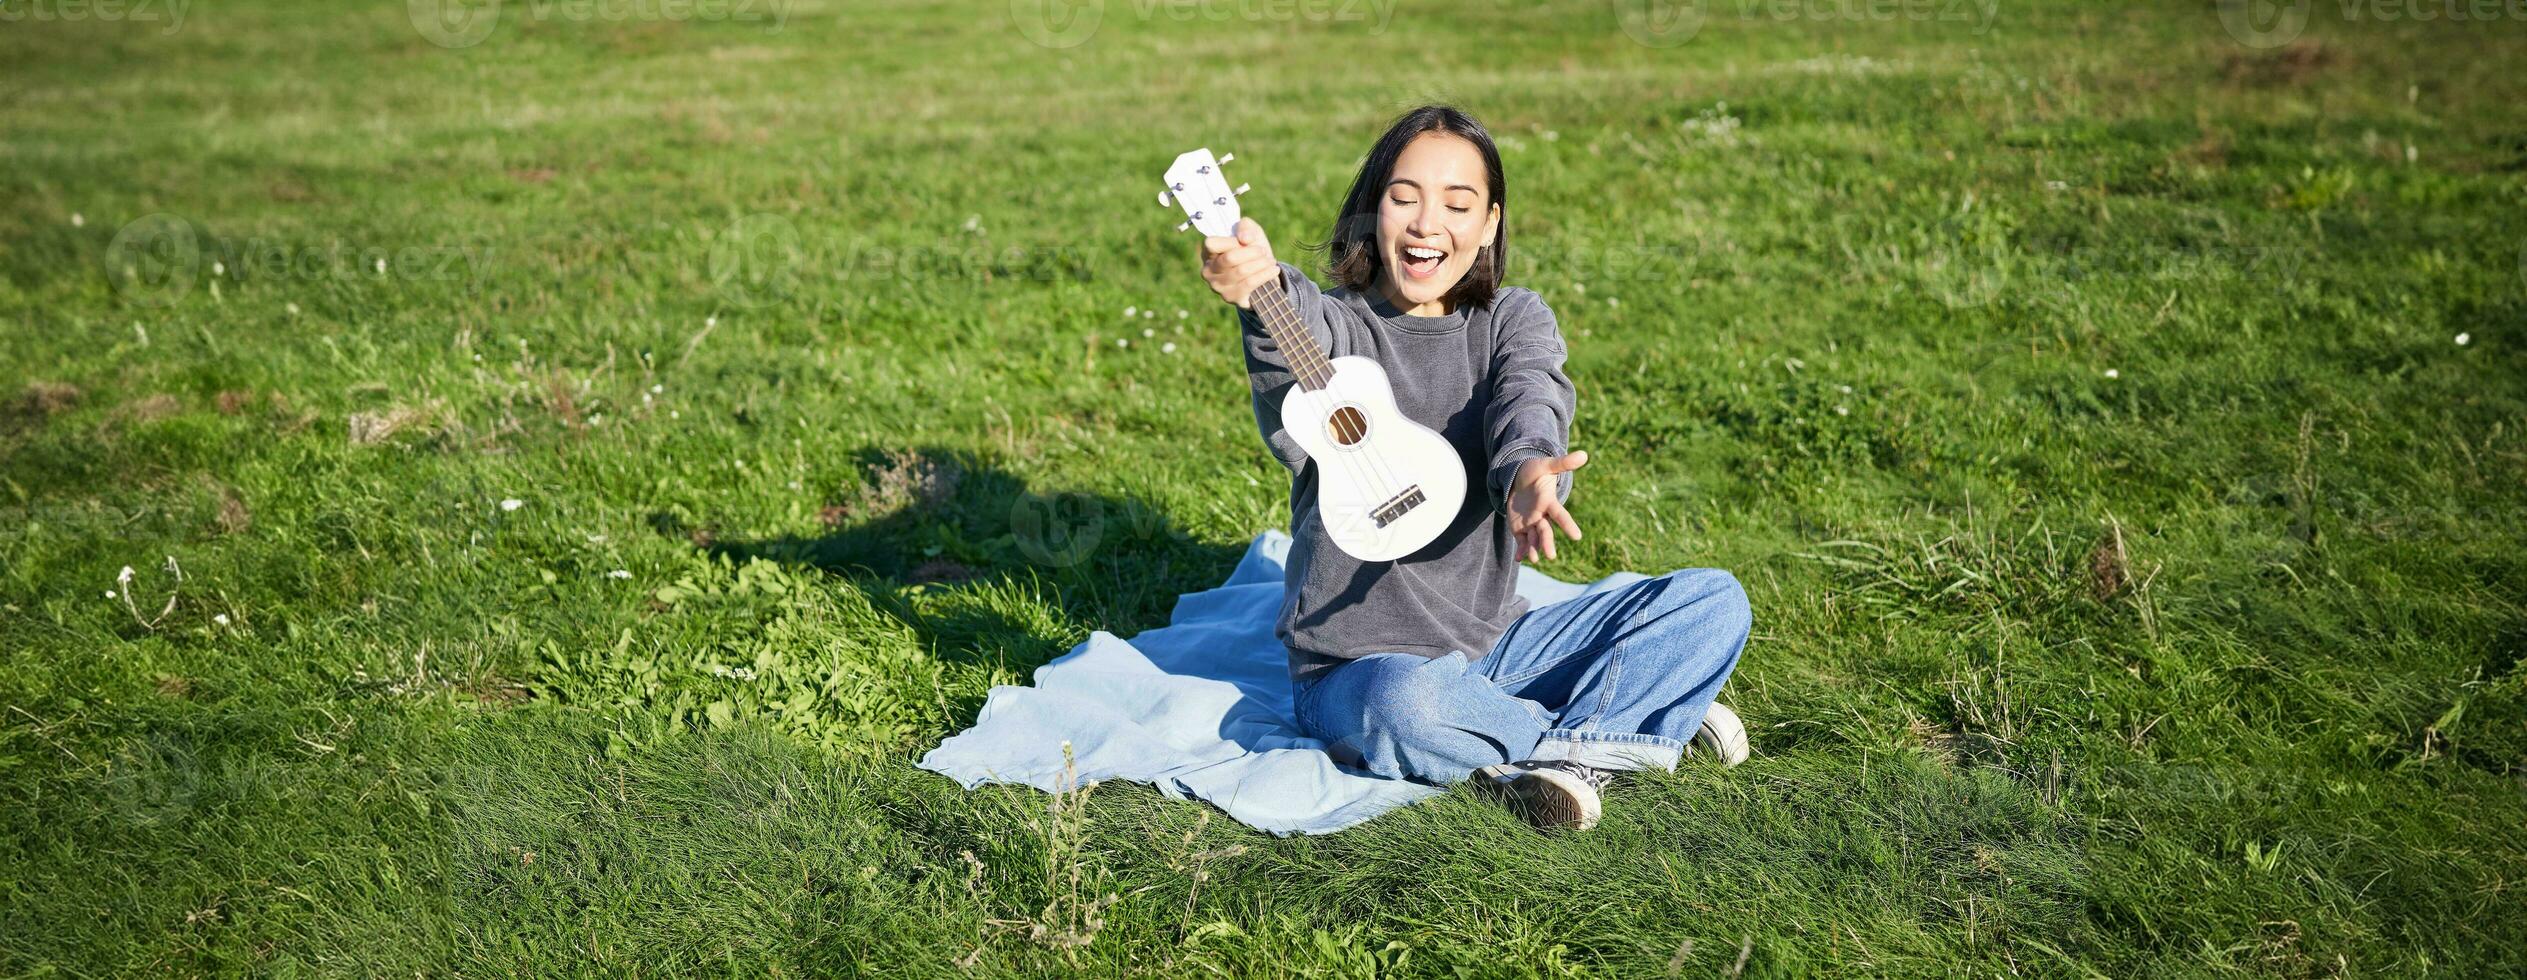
{"type": "Point", "coordinates": [1430, 667]}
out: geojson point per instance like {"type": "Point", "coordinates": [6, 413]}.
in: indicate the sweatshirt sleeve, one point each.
{"type": "Point", "coordinates": [1268, 373]}
{"type": "Point", "coordinates": [1532, 401]}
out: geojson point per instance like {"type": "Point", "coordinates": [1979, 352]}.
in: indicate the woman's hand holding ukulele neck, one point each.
{"type": "Point", "coordinates": [1534, 510]}
{"type": "Point", "coordinates": [1236, 267]}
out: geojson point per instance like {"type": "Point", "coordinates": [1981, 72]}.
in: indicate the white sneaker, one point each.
{"type": "Point", "coordinates": [1556, 795]}
{"type": "Point", "coordinates": [1722, 735]}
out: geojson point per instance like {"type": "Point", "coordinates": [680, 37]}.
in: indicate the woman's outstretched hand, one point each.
{"type": "Point", "coordinates": [1534, 510]}
{"type": "Point", "coordinates": [1236, 267]}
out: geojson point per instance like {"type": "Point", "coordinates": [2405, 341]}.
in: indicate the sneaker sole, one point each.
{"type": "Point", "coordinates": [1553, 800]}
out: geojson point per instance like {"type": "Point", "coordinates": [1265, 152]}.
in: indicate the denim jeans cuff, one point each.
{"type": "Point", "coordinates": [1610, 750]}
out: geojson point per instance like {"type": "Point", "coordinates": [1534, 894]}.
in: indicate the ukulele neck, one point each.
{"type": "Point", "coordinates": [1299, 349]}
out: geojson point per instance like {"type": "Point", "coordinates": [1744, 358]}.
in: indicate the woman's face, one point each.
{"type": "Point", "coordinates": [1435, 214]}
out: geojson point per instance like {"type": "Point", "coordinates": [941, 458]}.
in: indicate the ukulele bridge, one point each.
{"type": "Point", "coordinates": [1402, 503]}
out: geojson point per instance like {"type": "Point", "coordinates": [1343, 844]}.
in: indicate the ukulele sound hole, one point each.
{"type": "Point", "coordinates": [1348, 426]}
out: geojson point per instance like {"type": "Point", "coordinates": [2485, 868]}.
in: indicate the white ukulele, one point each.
{"type": "Point", "coordinates": [1385, 485]}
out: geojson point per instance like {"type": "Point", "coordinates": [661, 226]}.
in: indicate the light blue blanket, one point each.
{"type": "Point", "coordinates": [1199, 707]}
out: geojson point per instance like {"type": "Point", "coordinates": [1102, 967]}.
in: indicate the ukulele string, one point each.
{"type": "Point", "coordinates": [1310, 367]}
{"type": "Point", "coordinates": [1379, 475]}
{"type": "Point", "coordinates": [1375, 462]}
{"type": "Point", "coordinates": [1384, 481]}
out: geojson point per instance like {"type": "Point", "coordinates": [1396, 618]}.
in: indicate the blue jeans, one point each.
{"type": "Point", "coordinates": [1617, 680]}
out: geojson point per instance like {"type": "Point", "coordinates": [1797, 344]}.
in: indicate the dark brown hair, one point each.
{"type": "Point", "coordinates": [1352, 251]}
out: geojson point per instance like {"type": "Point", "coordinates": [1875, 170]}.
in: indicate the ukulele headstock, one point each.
{"type": "Point", "coordinates": [1196, 184]}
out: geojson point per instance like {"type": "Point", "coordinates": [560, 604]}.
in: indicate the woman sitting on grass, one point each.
{"type": "Point", "coordinates": [1431, 667]}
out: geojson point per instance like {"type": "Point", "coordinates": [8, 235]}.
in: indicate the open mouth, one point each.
{"type": "Point", "coordinates": [1421, 263]}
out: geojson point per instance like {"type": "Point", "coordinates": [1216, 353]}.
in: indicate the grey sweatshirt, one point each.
{"type": "Point", "coordinates": [1490, 380]}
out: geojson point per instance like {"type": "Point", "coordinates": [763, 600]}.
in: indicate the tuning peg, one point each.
{"type": "Point", "coordinates": [1162, 199]}
{"type": "Point", "coordinates": [1226, 157]}
{"type": "Point", "coordinates": [1184, 226]}
{"type": "Point", "coordinates": [1243, 188]}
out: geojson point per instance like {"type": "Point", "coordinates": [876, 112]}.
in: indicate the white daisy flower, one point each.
{"type": "Point", "coordinates": [221, 619]}
{"type": "Point", "coordinates": [619, 573]}
{"type": "Point", "coordinates": [2112, 374]}
{"type": "Point", "coordinates": [1167, 348]}
{"type": "Point", "coordinates": [78, 220]}
{"type": "Point", "coordinates": [2464, 339]}
{"type": "Point", "coordinates": [512, 503]}
{"type": "Point", "coordinates": [1131, 310]}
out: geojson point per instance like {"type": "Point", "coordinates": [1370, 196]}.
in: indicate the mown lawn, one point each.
{"type": "Point", "coordinates": [566, 478]}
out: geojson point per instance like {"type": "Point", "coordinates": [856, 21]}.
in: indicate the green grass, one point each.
{"type": "Point", "coordinates": [2211, 665]}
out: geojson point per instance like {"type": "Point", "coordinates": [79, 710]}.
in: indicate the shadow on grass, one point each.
{"type": "Point", "coordinates": [961, 551]}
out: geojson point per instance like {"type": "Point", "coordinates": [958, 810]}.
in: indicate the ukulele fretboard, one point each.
{"type": "Point", "coordinates": [1298, 347]}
